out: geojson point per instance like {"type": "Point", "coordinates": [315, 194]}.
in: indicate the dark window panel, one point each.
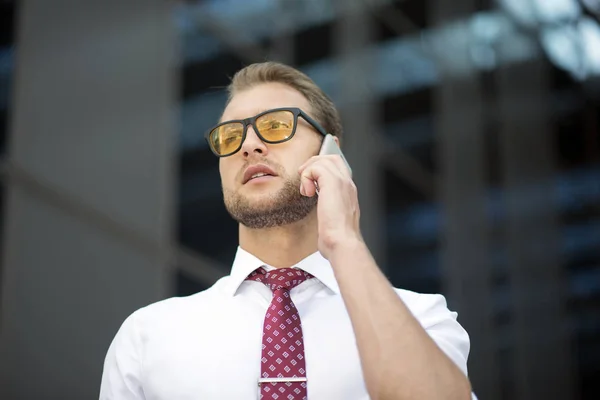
{"type": "Point", "coordinates": [185, 285]}
{"type": "Point", "coordinates": [313, 44]}
{"type": "Point", "coordinates": [7, 23]}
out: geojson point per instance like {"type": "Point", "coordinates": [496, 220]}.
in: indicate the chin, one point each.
{"type": "Point", "coordinates": [260, 199]}
{"type": "Point", "coordinates": [267, 189]}
{"type": "Point", "coordinates": [267, 207]}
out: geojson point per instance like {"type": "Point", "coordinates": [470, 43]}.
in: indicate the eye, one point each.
{"type": "Point", "coordinates": [232, 132]}
{"type": "Point", "coordinates": [277, 124]}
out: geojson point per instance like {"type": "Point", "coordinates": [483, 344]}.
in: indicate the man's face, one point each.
{"type": "Point", "coordinates": [268, 201]}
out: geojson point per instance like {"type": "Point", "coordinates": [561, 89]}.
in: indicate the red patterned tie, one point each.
{"type": "Point", "coordinates": [283, 368]}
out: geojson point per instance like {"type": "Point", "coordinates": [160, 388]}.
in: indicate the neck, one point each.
{"type": "Point", "coordinates": [283, 246]}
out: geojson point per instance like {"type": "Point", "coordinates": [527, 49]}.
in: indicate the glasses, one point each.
{"type": "Point", "coordinates": [272, 126]}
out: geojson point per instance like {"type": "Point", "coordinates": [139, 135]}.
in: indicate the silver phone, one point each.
{"type": "Point", "coordinates": [329, 146]}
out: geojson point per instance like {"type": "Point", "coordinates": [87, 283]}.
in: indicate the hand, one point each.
{"type": "Point", "coordinates": [338, 211]}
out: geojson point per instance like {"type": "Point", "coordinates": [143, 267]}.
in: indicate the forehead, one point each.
{"type": "Point", "coordinates": [264, 96]}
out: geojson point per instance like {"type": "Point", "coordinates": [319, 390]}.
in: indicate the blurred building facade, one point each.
{"type": "Point", "coordinates": [471, 125]}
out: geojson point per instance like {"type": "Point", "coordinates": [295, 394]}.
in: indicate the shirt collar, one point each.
{"type": "Point", "coordinates": [315, 264]}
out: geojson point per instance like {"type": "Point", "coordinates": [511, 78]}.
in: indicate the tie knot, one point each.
{"type": "Point", "coordinates": [283, 278]}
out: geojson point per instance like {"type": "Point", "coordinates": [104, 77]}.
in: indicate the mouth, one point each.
{"type": "Point", "coordinates": [258, 173]}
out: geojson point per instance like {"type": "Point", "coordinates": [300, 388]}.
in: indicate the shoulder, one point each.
{"type": "Point", "coordinates": [441, 323]}
{"type": "Point", "coordinates": [426, 306]}
{"type": "Point", "coordinates": [180, 306]}
{"type": "Point", "coordinates": [431, 310]}
{"type": "Point", "coordinates": [124, 360]}
{"type": "Point", "coordinates": [171, 310]}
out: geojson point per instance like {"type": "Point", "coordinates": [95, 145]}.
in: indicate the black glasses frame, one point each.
{"type": "Point", "coordinates": [297, 112]}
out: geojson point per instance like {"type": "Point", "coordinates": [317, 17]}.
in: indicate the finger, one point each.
{"type": "Point", "coordinates": [333, 159]}
{"type": "Point", "coordinates": [341, 165]}
{"type": "Point", "coordinates": [308, 162]}
{"type": "Point", "coordinates": [319, 173]}
{"type": "Point", "coordinates": [307, 186]}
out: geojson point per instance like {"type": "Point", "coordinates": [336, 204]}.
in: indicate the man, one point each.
{"type": "Point", "coordinates": [305, 312]}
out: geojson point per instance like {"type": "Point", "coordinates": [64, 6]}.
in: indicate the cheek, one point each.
{"type": "Point", "coordinates": [227, 172]}
{"type": "Point", "coordinates": [310, 150]}
{"type": "Point", "coordinates": [294, 162]}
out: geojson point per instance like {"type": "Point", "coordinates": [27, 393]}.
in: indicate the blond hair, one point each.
{"type": "Point", "coordinates": [323, 109]}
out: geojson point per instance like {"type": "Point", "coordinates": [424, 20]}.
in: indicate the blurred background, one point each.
{"type": "Point", "coordinates": [472, 127]}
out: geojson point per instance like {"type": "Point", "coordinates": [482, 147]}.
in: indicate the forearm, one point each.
{"type": "Point", "coordinates": [399, 359]}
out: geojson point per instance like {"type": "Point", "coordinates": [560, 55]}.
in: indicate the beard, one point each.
{"type": "Point", "coordinates": [282, 208]}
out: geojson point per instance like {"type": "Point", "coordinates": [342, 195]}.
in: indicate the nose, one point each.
{"type": "Point", "coordinates": [252, 144]}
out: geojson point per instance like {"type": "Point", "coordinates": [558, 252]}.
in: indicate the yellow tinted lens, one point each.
{"type": "Point", "coordinates": [227, 138]}
{"type": "Point", "coordinates": [276, 126]}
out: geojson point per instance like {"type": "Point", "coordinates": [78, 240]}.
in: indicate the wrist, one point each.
{"type": "Point", "coordinates": [346, 249]}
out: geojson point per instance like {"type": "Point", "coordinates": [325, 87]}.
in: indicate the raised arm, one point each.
{"type": "Point", "coordinates": [400, 359]}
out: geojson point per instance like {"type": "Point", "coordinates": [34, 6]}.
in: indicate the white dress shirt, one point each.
{"type": "Point", "coordinates": [208, 345]}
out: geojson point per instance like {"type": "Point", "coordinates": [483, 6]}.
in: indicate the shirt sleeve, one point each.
{"type": "Point", "coordinates": [442, 325]}
{"type": "Point", "coordinates": [121, 376]}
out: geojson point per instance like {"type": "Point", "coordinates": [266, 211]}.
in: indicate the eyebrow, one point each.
{"type": "Point", "coordinates": [261, 110]}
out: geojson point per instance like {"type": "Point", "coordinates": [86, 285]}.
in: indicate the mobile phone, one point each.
{"type": "Point", "coordinates": [329, 146]}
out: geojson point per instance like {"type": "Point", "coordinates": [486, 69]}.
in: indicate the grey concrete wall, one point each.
{"type": "Point", "coordinates": [90, 186]}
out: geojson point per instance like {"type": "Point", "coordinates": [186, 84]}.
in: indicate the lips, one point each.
{"type": "Point", "coordinates": [256, 171]}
